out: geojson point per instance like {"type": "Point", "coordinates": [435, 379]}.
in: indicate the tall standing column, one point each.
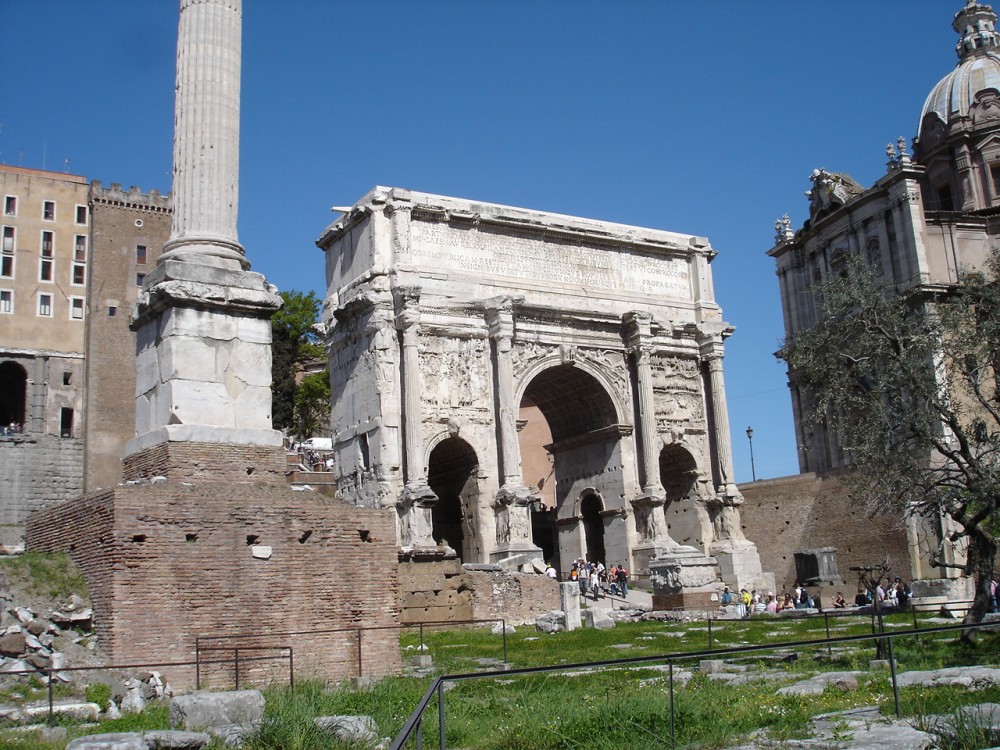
{"type": "Point", "coordinates": [723, 445]}
{"type": "Point", "coordinates": [512, 505]}
{"type": "Point", "coordinates": [207, 135]}
{"type": "Point", "coordinates": [203, 368]}
{"type": "Point", "coordinates": [416, 503]}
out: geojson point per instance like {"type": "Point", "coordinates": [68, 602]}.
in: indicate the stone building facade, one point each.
{"type": "Point", "coordinates": [72, 258]}
{"type": "Point", "coordinates": [453, 324]}
{"type": "Point", "coordinates": [930, 217]}
{"type": "Point", "coordinates": [44, 258]}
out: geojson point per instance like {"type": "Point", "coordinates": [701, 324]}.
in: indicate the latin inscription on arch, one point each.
{"type": "Point", "coordinates": [511, 256]}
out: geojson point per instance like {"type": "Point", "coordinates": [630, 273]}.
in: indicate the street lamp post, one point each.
{"type": "Point", "coordinates": [753, 469]}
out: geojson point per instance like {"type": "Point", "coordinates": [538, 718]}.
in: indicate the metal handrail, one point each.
{"type": "Point", "coordinates": [415, 720]}
{"type": "Point", "coordinates": [359, 631]}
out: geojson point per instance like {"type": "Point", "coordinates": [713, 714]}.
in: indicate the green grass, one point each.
{"type": "Point", "coordinates": [615, 707]}
{"type": "Point", "coordinates": [43, 574]}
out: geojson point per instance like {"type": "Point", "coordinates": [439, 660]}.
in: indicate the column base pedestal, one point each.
{"type": "Point", "coordinates": [739, 565]}
{"type": "Point", "coordinates": [644, 554]}
{"type": "Point", "coordinates": [684, 578]}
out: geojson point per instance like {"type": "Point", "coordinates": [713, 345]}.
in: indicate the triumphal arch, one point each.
{"type": "Point", "coordinates": [520, 384]}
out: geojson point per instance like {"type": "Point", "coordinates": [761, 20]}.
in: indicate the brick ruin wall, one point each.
{"type": "Point", "coordinates": [37, 471]}
{"type": "Point", "coordinates": [208, 462]}
{"type": "Point", "coordinates": [446, 591]}
{"type": "Point", "coordinates": [170, 562]}
{"type": "Point", "coordinates": [807, 511]}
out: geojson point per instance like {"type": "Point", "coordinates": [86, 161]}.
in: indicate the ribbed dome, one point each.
{"type": "Point", "coordinates": [978, 68]}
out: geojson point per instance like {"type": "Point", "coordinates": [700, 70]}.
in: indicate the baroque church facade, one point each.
{"type": "Point", "coordinates": [933, 215]}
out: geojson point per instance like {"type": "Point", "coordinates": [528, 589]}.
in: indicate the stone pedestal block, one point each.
{"type": "Point", "coordinates": [683, 578]}
{"type": "Point", "coordinates": [644, 554]}
{"type": "Point", "coordinates": [569, 602]}
{"type": "Point", "coordinates": [739, 565]}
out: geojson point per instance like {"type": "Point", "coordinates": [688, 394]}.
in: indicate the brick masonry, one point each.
{"type": "Point", "coordinates": [445, 591]}
{"type": "Point", "coordinates": [208, 462]}
{"type": "Point", "coordinates": [170, 562]}
{"type": "Point", "coordinates": [808, 511]}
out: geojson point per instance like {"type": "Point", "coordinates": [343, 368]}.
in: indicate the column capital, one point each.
{"type": "Point", "coordinates": [407, 303]}
{"type": "Point", "coordinates": [499, 315]}
{"type": "Point", "coordinates": [638, 328]}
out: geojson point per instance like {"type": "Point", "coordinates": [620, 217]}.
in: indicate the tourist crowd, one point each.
{"type": "Point", "coordinates": [597, 581]}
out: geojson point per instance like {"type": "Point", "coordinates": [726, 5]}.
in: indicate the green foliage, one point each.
{"type": "Point", "coordinates": [312, 404]}
{"type": "Point", "coordinates": [293, 342]}
{"type": "Point", "coordinates": [98, 693]}
{"type": "Point", "coordinates": [44, 574]}
{"type": "Point", "coordinates": [906, 378]}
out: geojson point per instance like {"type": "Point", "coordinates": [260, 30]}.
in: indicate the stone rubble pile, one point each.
{"type": "Point", "coordinates": [28, 640]}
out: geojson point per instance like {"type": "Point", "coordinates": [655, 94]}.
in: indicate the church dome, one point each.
{"type": "Point", "coordinates": [978, 70]}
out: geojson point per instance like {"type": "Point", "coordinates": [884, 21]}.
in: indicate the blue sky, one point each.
{"type": "Point", "coordinates": [702, 118]}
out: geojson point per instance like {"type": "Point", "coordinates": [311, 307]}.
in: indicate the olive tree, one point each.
{"type": "Point", "coordinates": [907, 380]}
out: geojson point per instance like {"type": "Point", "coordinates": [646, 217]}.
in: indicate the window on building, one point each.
{"type": "Point", "coordinates": [67, 377]}
{"type": "Point", "coordinates": [140, 254]}
{"type": "Point", "coordinates": [7, 253]}
{"type": "Point", "coordinates": [944, 199]}
{"type": "Point", "coordinates": [45, 305]}
{"type": "Point", "coordinates": [139, 278]}
{"type": "Point", "coordinates": [6, 301]}
{"type": "Point", "coordinates": [66, 422]}
{"type": "Point", "coordinates": [48, 243]}
{"type": "Point", "coordinates": [80, 248]}
{"type": "Point", "coordinates": [81, 214]}
{"type": "Point", "coordinates": [10, 205]}
{"type": "Point", "coordinates": [79, 274]}
{"type": "Point", "coordinates": [45, 270]}
{"type": "Point", "coordinates": [49, 210]}
{"type": "Point", "coordinates": [76, 308]}
{"type": "Point", "coordinates": [112, 311]}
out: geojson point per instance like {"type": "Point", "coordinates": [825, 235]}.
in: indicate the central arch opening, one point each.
{"type": "Point", "coordinates": [570, 446]}
{"type": "Point", "coordinates": [451, 474]}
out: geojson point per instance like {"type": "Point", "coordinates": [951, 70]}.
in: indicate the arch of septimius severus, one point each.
{"type": "Point", "coordinates": [518, 383]}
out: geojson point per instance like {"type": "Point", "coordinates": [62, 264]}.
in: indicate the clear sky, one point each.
{"type": "Point", "coordinates": [694, 117]}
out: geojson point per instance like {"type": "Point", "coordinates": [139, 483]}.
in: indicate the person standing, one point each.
{"type": "Point", "coordinates": [622, 578]}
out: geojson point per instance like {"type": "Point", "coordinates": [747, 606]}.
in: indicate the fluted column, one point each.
{"type": "Point", "coordinates": [651, 523]}
{"type": "Point", "coordinates": [415, 504]}
{"type": "Point", "coordinates": [723, 443]}
{"type": "Point", "coordinates": [512, 505]}
{"type": "Point", "coordinates": [207, 135]}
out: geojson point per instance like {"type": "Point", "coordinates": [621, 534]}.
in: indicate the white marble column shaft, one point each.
{"type": "Point", "coordinates": [723, 443]}
{"type": "Point", "coordinates": [207, 134]}
{"type": "Point", "coordinates": [501, 322]}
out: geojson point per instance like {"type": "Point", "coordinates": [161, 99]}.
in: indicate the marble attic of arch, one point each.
{"type": "Point", "coordinates": [522, 384]}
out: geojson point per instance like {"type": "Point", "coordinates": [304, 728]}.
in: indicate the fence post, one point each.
{"type": "Point", "coordinates": [197, 663]}
{"type": "Point", "coordinates": [710, 633]}
{"type": "Point", "coordinates": [236, 666]}
{"type": "Point", "coordinates": [421, 649]}
{"type": "Point", "coordinates": [420, 733]}
{"type": "Point", "coordinates": [829, 648]}
{"type": "Point", "coordinates": [441, 715]}
{"type": "Point", "coordinates": [673, 740]}
{"type": "Point", "coordinates": [915, 636]}
{"type": "Point", "coordinates": [892, 671]}
{"type": "Point", "coordinates": [291, 669]}
{"type": "Point", "coordinates": [52, 717]}
{"type": "Point", "coordinates": [359, 653]}
{"type": "Point", "coordinates": [503, 624]}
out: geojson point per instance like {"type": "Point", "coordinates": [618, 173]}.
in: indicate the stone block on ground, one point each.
{"type": "Point", "coordinates": [174, 740]}
{"type": "Point", "coordinates": [551, 622]}
{"type": "Point", "coordinates": [111, 741]}
{"type": "Point", "coordinates": [345, 728]}
{"type": "Point", "coordinates": [845, 681]}
{"type": "Point", "coordinates": [597, 618]}
{"type": "Point", "coordinates": [499, 627]}
{"type": "Point", "coordinates": [203, 710]}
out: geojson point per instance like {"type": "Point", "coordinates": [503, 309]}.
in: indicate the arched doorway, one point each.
{"type": "Point", "coordinates": [679, 477]}
{"type": "Point", "coordinates": [13, 393]}
{"type": "Point", "coordinates": [593, 527]}
{"type": "Point", "coordinates": [451, 474]}
{"type": "Point", "coordinates": [568, 407]}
